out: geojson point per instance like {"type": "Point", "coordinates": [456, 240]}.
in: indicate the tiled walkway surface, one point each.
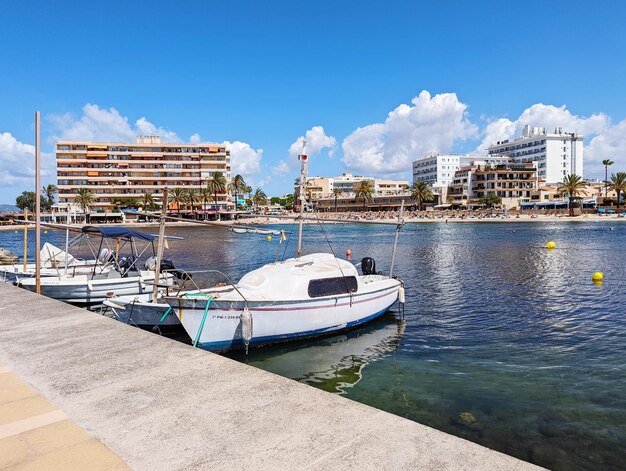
{"type": "Point", "coordinates": [35, 435]}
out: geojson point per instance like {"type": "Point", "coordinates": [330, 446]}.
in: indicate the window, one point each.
{"type": "Point", "coordinates": [331, 286]}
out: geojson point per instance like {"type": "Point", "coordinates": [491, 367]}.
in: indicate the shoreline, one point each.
{"type": "Point", "coordinates": [343, 218]}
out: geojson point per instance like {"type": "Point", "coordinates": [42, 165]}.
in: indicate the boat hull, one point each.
{"type": "Point", "coordinates": [280, 321]}
{"type": "Point", "coordinates": [83, 292]}
{"type": "Point", "coordinates": [143, 313]}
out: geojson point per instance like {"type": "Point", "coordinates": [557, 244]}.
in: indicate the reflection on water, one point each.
{"type": "Point", "coordinates": [504, 343]}
{"type": "Point", "coordinates": [334, 363]}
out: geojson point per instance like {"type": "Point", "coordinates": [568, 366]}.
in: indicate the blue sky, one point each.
{"type": "Point", "coordinates": [262, 74]}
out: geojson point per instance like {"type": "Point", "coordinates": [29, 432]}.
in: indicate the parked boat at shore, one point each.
{"type": "Point", "coordinates": [113, 274]}
{"type": "Point", "coordinates": [299, 297]}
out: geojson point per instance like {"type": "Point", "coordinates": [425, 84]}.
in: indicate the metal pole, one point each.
{"type": "Point", "coordinates": [395, 242]}
{"type": "Point", "coordinates": [303, 170]}
{"type": "Point", "coordinates": [159, 257]}
{"type": "Point", "coordinates": [37, 204]}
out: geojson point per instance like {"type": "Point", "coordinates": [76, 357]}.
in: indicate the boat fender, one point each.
{"type": "Point", "coordinates": [246, 326]}
{"type": "Point", "coordinates": [401, 297]}
{"type": "Point", "coordinates": [90, 286]}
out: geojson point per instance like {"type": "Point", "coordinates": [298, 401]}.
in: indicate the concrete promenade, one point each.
{"type": "Point", "coordinates": [161, 405]}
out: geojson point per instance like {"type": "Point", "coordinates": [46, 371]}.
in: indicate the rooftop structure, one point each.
{"type": "Point", "coordinates": [557, 155]}
{"type": "Point", "coordinates": [114, 170]}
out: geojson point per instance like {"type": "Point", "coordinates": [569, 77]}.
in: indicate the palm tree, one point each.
{"type": "Point", "coordinates": [204, 195]}
{"type": "Point", "coordinates": [148, 201]}
{"type": "Point", "coordinates": [49, 192]}
{"type": "Point", "coordinates": [365, 191]}
{"type": "Point", "coordinates": [421, 193]}
{"type": "Point", "coordinates": [336, 193]}
{"type": "Point", "coordinates": [192, 197]}
{"type": "Point", "coordinates": [572, 185]}
{"type": "Point", "coordinates": [84, 199]}
{"type": "Point", "coordinates": [178, 197]}
{"type": "Point", "coordinates": [217, 185]}
{"type": "Point", "coordinates": [618, 185]}
{"type": "Point", "coordinates": [606, 163]}
{"type": "Point", "coordinates": [237, 186]}
{"type": "Point", "coordinates": [259, 198]}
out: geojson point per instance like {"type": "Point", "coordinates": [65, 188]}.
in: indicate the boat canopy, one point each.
{"type": "Point", "coordinates": [118, 233]}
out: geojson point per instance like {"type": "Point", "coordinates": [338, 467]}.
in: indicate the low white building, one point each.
{"type": "Point", "coordinates": [557, 155]}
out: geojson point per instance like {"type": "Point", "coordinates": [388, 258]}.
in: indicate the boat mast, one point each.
{"type": "Point", "coordinates": [37, 203]}
{"type": "Point", "coordinates": [303, 158]}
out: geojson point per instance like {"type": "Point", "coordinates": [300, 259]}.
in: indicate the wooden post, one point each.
{"type": "Point", "coordinates": [25, 238]}
{"type": "Point", "coordinates": [159, 257]}
{"type": "Point", "coordinates": [37, 203]}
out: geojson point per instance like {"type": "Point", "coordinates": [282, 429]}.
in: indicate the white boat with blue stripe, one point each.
{"type": "Point", "coordinates": [312, 295]}
{"type": "Point", "coordinates": [296, 298]}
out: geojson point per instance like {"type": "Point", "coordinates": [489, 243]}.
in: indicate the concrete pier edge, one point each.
{"type": "Point", "coordinates": [160, 404]}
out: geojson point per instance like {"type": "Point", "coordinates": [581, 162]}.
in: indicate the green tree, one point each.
{"type": "Point", "coordinates": [217, 185]}
{"type": "Point", "coordinates": [618, 185]}
{"type": "Point", "coordinates": [289, 201]}
{"type": "Point", "coordinates": [365, 191]}
{"type": "Point", "coordinates": [336, 193]}
{"type": "Point", "coordinates": [127, 202]}
{"type": "Point", "coordinates": [26, 200]}
{"type": "Point", "coordinates": [572, 185]}
{"type": "Point", "coordinates": [178, 196]}
{"type": "Point", "coordinates": [192, 198]}
{"type": "Point", "coordinates": [84, 199]}
{"type": "Point", "coordinates": [148, 201]}
{"type": "Point", "coordinates": [606, 163]}
{"type": "Point", "coordinates": [421, 193]}
{"type": "Point", "coordinates": [204, 196]}
{"type": "Point", "coordinates": [259, 198]}
{"type": "Point", "coordinates": [237, 187]}
{"type": "Point", "coordinates": [48, 194]}
{"type": "Point", "coordinates": [490, 200]}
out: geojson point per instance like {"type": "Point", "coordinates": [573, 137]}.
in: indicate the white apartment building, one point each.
{"type": "Point", "coordinates": [557, 155]}
{"type": "Point", "coordinates": [437, 170]}
{"type": "Point", "coordinates": [318, 187]}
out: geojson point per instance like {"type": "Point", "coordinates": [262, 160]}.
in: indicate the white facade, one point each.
{"type": "Point", "coordinates": [438, 170]}
{"type": "Point", "coordinates": [319, 187]}
{"type": "Point", "coordinates": [557, 155]}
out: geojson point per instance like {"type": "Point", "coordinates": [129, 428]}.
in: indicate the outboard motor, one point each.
{"type": "Point", "coordinates": [368, 266]}
{"type": "Point", "coordinates": [167, 265]}
{"type": "Point", "coordinates": [125, 264]}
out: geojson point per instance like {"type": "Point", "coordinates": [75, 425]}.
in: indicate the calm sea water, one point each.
{"type": "Point", "coordinates": [502, 342]}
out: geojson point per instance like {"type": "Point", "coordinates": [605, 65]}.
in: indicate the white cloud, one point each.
{"type": "Point", "coordinates": [17, 164]}
{"type": "Point", "coordinates": [316, 142]}
{"type": "Point", "coordinates": [195, 139]}
{"type": "Point", "coordinates": [545, 116]}
{"type": "Point", "coordinates": [429, 124]}
{"type": "Point", "coordinates": [100, 124]}
{"type": "Point", "coordinates": [610, 144]}
{"type": "Point", "coordinates": [245, 159]}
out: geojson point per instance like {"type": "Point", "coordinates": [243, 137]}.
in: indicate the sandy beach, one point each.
{"type": "Point", "coordinates": [370, 218]}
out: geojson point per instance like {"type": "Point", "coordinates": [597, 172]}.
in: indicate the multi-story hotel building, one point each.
{"type": "Point", "coordinates": [512, 182]}
{"type": "Point", "coordinates": [557, 155]}
{"type": "Point", "coordinates": [320, 191]}
{"type": "Point", "coordinates": [115, 170]}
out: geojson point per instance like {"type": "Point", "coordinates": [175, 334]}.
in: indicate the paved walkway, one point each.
{"type": "Point", "coordinates": [35, 435]}
{"type": "Point", "coordinates": [162, 405]}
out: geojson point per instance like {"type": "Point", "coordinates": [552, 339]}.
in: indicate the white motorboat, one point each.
{"type": "Point", "coordinates": [300, 297]}
{"type": "Point", "coordinates": [296, 298]}
{"type": "Point", "coordinates": [139, 310]}
{"type": "Point", "coordinates": [239, 230]}
{"type": "Point", "coordinates": [53, 262]}
{"type": "Point", "coordinates": [114, 274]}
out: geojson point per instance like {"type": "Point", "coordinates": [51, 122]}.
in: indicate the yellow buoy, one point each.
{"type": "Point", "coordinates": [269, 237]}
{"type": "Point", "coordinates": [45, 232]}
{"type": "Point", "coordinates": [597, 276]}
{"type": "Point", "coordinates": [551, 245]}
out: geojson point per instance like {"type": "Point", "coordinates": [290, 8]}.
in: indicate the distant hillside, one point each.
{"type": "Point", "coordinates": [6, 208]}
